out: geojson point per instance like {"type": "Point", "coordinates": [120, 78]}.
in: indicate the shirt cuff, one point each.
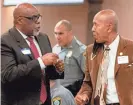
{"type": "Point", "coordinates": [41, 63]}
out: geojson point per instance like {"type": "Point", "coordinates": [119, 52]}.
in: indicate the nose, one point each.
{"type": "Point", "coordinates": [57, 36]}
{"type": "Point", "coordinates": [93, 28]}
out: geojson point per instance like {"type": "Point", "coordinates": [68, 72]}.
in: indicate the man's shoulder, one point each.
{"type": "Point", "coordinates": [126, 42]}
{"type": "Point", "coordinates": [63, 96]}
{"type": "Point", "coordinates": [6, 36]}
{"type": "Point", "coordinates": [43, 34]}
{"type": "Point", "coordinates": [130, 42]}
{"type": "Point", "coordinates": [43, 37]}
{"type": "Point", "coordinates": [90, 46]}
{"type": "Point", "coordinates": [62, 91]}
{"type": "Point", "coordinates": [81, 46]}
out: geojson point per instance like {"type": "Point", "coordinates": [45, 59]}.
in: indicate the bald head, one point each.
{"type": "Point", "coordinates": [105, 26]}
{"type": "Point", "coordinates": [63, 33]}
{"type": "Point", "coordinates": [27, 19]}
{"type": "Point", "coordinates": [65, 23]}
{"type": "Point", "coordinates": [24, 9]}
{"type": "Point", "coordinates": [109, 17]}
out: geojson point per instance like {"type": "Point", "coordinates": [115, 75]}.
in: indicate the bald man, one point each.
{"type": "Point", "coordinates": [27, 64]}
{"type": "Point", "coordinates": [70, 50]}
{"type": "Point", "coordinates": [112, 84]}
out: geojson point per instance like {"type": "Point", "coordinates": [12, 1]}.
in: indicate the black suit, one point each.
{"type": "Point", "coordinates": [20, 73]}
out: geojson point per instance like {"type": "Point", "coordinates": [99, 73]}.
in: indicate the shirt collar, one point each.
{"type": "Point", "coordinates": [114, 44]}
{"type": "Point", "coordinates": [23, 35]}
{"type": "Point", "coordinates": [71, 45]}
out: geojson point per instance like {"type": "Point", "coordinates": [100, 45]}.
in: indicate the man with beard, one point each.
{"type": "Point", "coordinates": [27, 61]}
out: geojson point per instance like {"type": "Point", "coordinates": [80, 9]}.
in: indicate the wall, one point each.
{"type": "Point", "coordinates": [76, 14]}
{"type": "Point", "coordinates": [124, 9]}
{"type": "Point", "coordinates": [80, 16]}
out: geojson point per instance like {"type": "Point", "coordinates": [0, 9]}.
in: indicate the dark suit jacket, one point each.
{"type": "Point", "coordinates": [123, 73]}
{"type": "Point", "coordinates": [21, 74]}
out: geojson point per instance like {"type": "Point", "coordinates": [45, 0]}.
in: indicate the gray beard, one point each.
{"type": "Point", "coordinates": [36, 33]}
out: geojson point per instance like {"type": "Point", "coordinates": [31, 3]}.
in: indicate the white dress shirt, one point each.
{"type": "Point", "coordinates": [112, 96]}
{"type": "Point", "coordinates": [38, 48]}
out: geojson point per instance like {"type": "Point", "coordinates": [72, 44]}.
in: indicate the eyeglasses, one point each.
{"type": "Point", "coordinates": [33, 18]}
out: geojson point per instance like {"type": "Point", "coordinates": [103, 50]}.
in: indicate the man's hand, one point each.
{"type": "Point", "coordinates": [49, 59]}
{"type": "Point", "coordinates": [59, 64]}
{"type": "Point", "coordinates": [81, 99]}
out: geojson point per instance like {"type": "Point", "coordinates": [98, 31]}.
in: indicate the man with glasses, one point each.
{"type": "Point", "coordinates": [27, 63]}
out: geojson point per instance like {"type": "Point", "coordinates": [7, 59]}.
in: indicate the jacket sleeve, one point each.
{"type": "Point", "coordinates": [86, 87]}
{"type": "Point", "coordinates": [52, 73]}
{"type": "Point", "coordinates": [11, 70]}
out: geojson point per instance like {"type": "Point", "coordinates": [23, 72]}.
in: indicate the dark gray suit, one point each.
{"type": "Point", "coordinates": [21, 73]}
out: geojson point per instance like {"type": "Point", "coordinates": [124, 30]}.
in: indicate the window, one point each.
{"type": "Point", "coordinates": [47, 2]}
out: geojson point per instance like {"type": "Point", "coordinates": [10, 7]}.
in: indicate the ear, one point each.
{"type": "Point", "coordinates": [19, 20]}
{"type": "Point", "coordinates": [110, 27]}
{"type": "Point", "coordinates": [70, 32]}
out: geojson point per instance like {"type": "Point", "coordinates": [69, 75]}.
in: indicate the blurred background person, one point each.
{"type": "Point", "coordinates": [71, 51]}
{"type": "Point", "coordinates": [60, 95]}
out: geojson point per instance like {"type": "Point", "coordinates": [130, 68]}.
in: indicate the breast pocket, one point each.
{"type": "Point", "coordinates": [128, 66]}
{"type": "Point", "coordinates": [23, 58]}
{"type": "Point", "coordinates": [129, 69]}
{"type": "Point", "coordinates": [71, 65]}
{"type": "Point", "coordinates": [70, 61]}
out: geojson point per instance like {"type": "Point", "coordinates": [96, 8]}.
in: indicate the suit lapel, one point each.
{"type": "Point", "coordinates": [95, 65]}
{"type": "Point", "coordinates": [39, 41]}
{"type": "Point", "coordinates": [43, 43]}
{"type": "Point", "coordinates": [121, 46]}
{"type": "Point", "coordinates": [20, 40]}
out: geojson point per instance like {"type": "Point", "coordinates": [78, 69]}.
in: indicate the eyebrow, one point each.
{"type": "Point", "coordinates": [59, 33]}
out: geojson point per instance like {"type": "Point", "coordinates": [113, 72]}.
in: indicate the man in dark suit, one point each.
{"type": "Point", "coordinates": [116, 87]}
{"type": "Point", "coordinates": [22, 73]}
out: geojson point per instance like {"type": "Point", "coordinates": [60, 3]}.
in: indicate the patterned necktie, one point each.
{"type": "Point", "coordinates": [101, 84]}
{"type": "Point", "coordinates": [43, 93]}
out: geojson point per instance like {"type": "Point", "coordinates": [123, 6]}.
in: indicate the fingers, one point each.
{"type": "Point", "coordinates": [59, 65]}
{"type": "Point", "coordinates": [53, 55]}
{"type": "Point", "coordinates": [78, 99]}
{"type": "Point", "coordinates": [85, 98]}
{"type": "Point", "coordinates": [49, 58]}
{"type": "Point", "coordinates": [81, 99]}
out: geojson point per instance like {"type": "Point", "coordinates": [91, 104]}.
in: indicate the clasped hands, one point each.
{"type": "Point", "coordinates": [53, 59]}
{"type": "Point", "coordinates": [81, 99]}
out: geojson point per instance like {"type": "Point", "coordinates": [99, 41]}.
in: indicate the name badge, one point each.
{"type": "Point", "coordinates": [26, 51]}
{"type": "Point", "coordinates": [123, 59]}
{"type": "Point", "coordinates": [69, 54]}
